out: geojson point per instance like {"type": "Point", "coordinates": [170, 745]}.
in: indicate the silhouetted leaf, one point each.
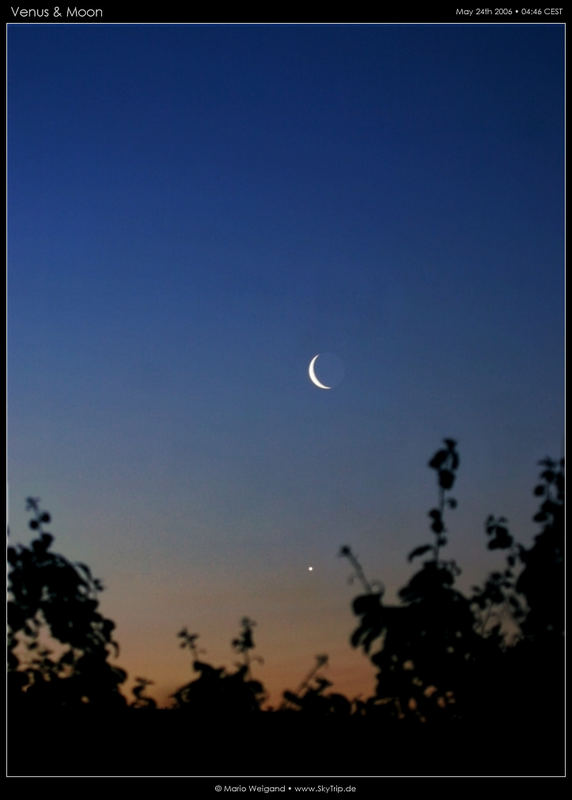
{"type": "Point", "coordinates": [446, 479]}
{"type": "Point", "coordinates": [367, 603]}
{"type": "Point", "coordinates": [438, 459]}
{"type": "Point", "coordinates": [419, 551]}
{"type": "Point", "coordinates": [84, 568]}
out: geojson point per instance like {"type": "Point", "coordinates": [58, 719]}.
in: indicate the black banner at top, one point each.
{"type": "Point", "coordinates": [161, 13]}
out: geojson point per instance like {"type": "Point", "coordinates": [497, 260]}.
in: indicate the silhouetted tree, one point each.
{"type": "Point", "coordinates": [541, 581]}
{"type": "Point", "coordinates": [426, 643]}
{"type": "Point", "coordinates": [53, 604]}
{"type": "Point", "coordinates": [488, 664]}
{"type": "Point", "coordinates": [441, 655]}
{"type": "Point", "coordinates": [217, 691]}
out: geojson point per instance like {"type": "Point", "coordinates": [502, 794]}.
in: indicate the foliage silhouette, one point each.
{"type": "Point", "coordinates": [309, 697]}
{"type": "Point", "coordinates": [53, 603]}
{"type": "Point", "coordinates": [464, 681]}
{"type": "Point", "coordinates": [141, 701]}
{"type": "Point", "coordinates": [217, 691]}
{"type": "Point", "coordinates": [442, 656]}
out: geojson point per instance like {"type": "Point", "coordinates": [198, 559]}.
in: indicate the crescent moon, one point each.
{"type": "Point", "coordinates": [312, 375]}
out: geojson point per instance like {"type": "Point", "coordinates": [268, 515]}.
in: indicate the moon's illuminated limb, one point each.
{"type": "Point", "coordinates": [312, 374]}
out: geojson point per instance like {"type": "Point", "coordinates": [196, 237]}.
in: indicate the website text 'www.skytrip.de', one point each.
{"type": "Point", "coordinates": [322, 788]}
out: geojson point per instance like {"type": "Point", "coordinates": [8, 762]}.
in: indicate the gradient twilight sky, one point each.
{"type": "Point", "coordinates": [197, 210]}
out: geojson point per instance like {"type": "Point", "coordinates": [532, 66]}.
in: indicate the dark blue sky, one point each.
{"type": "Point", "coordinates": [197, 210]}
